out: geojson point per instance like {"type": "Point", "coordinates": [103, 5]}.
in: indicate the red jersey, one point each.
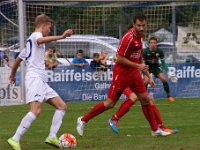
{"type": "Point", "coordinates": [131, 48]}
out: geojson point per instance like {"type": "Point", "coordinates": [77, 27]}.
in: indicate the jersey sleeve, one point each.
{"type": "Point", "coordinates": [36, 36]}
{"type": "Point", "coordinates": [125, 44]}
{"type": "Point", "coordinates": [23, 54]}
{"type": "Point", "coordinates": [26, 52]}
{"type": "Point", "coordinates": [162, 59]}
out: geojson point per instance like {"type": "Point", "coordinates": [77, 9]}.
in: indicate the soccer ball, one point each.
{"type": "Point", "coordinates": [67, 140]}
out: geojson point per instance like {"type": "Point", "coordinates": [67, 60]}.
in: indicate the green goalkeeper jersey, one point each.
{"type": "Point", "coordinates": [151, 58]}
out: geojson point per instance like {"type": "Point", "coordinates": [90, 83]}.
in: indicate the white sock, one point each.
{"type": "Point", "coordinates": [24, 125]}
{"type": "Point", "coordinates": [56, 122]}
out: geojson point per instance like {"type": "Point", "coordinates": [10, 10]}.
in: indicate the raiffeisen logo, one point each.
{"type": "Point", "coordinates": [185, 72]}
{"type": "Point", "coordinates": [71, 75]}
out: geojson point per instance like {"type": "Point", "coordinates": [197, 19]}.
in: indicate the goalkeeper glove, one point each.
{"type": "Point", "coordinates": [173, 78]}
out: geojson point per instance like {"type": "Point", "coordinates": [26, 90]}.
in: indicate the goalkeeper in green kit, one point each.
{"type": "Point", "coordinates": [151, 57]}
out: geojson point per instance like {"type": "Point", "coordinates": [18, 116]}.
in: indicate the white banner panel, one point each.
{"type": "Point", "coordinates": [188, 40]}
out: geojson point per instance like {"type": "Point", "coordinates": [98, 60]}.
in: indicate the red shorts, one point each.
{"type": "Point", "coordinates": [119, 85]}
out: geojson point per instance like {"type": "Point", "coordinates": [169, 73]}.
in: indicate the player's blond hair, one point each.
{"type": "Point", "coordinates": [42, 19]}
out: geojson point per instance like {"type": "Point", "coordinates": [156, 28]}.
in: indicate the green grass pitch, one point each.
{"type": "Point", "coordinates": [134, 131]}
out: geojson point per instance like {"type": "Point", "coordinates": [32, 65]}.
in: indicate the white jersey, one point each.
{"type": "Point", "coordinates": [33, 55]}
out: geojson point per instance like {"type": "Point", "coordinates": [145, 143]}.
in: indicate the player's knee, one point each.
{"type": "Point", "coordinates": [133, 97]}
{"type": "Point", "coordinates": [151, 101]}
{"type": "Point", "coordinates": [36, 112]}
{"type": "Point", "coordinates": [63, 107]}
{"type": "Point", "coordinates": [109, 104]}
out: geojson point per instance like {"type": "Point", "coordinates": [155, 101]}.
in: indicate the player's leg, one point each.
{"type": "Point", "coordinates": [123, 109]}
{"type": "Point", "coordinates": [162, 78]}
{"type": "Point", "coordinates": [126, 105]}
{"type": "Point", "coordinates": [159, 118]}
{"type": "Point", "coordinates": [148, 111]}
{"type": "Point", "coordinates": [35, 109]}
{"type": "Point", "coordinates": [114, 93]}
{"type": "Point", "coordinates": [155, 109]}
{"type": "Point", "coordinates": [139, 89]}
{"type": "Point", "coordinates": [96, 110]}
{"type": "Point", "coordinates": [34, 97]}
{"type": "Point", "coordinates": [60, 106]}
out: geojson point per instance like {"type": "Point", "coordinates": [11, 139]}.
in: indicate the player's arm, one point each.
{"type": "Point", "coordinates": [15, 66]}
{"type": "Point", "coordinates": [124, 61]}
{"type": "Point", "coordinates": [162, 59]}
{"type": "Point", "coordinates": [150, 79]}
{"type": "Point", "coordinates": [47, 39]}
{"type": "Point", "coordinates": [165, 66]}
{"type": "Point", "coordinates": [148, 75]}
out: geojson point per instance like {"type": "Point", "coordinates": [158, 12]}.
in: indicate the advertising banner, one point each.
{"type": "Point", "coordinates": [82, 84]}
{"type": "Point", "coordinates": [9, 95]}
{"type": "Point", "coordinates": [75, 84]}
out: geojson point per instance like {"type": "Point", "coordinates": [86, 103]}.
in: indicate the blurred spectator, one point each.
{"type": "Point", "coordinates": [95, 63]}
{"type": "Point", "coordinates": [51, 58]}
{"type": "Point", "coordinates": [104, 57]}
{"type": "Point", "coordinates": [3, 59]}
{"type": "Point", "coordinates": [79, 61]}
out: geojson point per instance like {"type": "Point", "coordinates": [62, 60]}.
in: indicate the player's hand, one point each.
{"type": "Point", "coordinates": [152, 83]}
{"type": "Point", "coordinates": [67, 33]}
{"type": "Point", "coordinates": [143, 67]}
{"type": "Point", "coordinates": [173, 78]}
{"type": "Point", "coordinates": [12, 79]}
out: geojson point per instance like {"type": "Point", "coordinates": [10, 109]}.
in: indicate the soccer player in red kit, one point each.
{"type": "Point", "coordinates": [126, 73]}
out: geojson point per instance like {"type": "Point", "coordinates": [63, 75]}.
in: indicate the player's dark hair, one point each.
{"type": "Point", "coordinates": [130, 26]}
{"type": "Point", "coordinates": [153, 38]}
{"type": "Point", "coordinates": [140, 17]}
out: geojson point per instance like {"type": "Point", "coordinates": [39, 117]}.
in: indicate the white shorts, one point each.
{"type": "Point", "coordinates": [38, 90]}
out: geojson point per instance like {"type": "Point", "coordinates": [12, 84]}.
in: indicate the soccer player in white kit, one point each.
{"type": "Point", "coordinates": [37, 89]}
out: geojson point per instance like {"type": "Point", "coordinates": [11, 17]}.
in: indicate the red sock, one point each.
{"type": "Point", "coordinates": [150, 116]}
{"type": "Point", "coordinates": [158, 117]}
{"type": "Point", "coordinates": [96, 110]}
{"type": "Point", "coordinates": [157, 114]}
{"type": "Point", "coordinates": [124, 108]}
